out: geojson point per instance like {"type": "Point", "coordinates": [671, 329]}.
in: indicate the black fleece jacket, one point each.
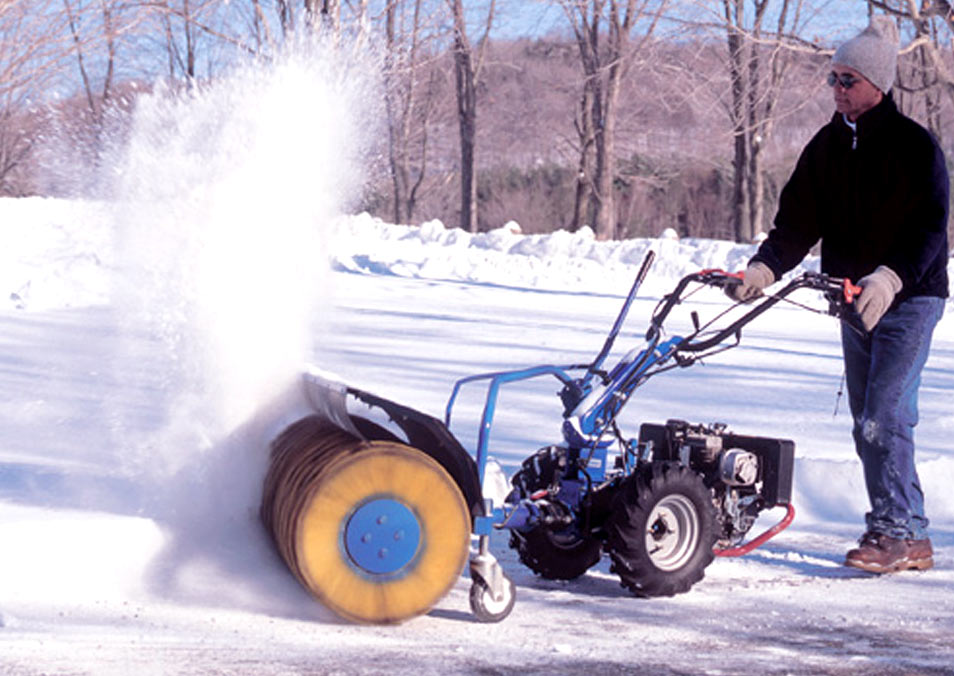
{"type": "Point", "coordinates": [875, 196]}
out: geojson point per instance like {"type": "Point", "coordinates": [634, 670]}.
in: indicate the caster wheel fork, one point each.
{"type": "Point", "coordinates": [492, 593]}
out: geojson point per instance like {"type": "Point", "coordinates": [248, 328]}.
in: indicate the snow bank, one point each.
{"type": "Point", "coordinates": [561, 261]}
{"type": "Point", "coordinates": [64, 253]}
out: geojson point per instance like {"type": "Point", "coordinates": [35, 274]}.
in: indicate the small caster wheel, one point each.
{"type": "Point", "coordinates": [482, 602]}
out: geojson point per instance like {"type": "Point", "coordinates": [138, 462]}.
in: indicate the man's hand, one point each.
{"type": "Point", "coordinates": [877, 293]}
{"type": "Point", "coordinates": [756, 277]}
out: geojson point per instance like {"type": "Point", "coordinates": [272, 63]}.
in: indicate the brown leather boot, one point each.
{"type": "Point", "coordinates": [879, 553]}
{"type": "Point", "coordinates": [921, 553]}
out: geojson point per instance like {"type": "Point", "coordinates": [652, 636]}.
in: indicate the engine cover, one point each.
{"type": "Point", "coordinates": [712, 450]}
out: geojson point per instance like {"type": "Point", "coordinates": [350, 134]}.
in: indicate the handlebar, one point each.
{"type": "Point", "coordinates": [840, 294]}
{"type": "Point", "coordinates": [814, 280]}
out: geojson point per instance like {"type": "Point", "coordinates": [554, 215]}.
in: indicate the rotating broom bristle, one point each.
{"type": "Point", "coordinates": [376, 530]}
{"type": "Point", "coordinates": [297, 457]}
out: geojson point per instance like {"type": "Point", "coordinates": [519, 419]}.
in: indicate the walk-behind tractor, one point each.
{"type": "Point", "coordinates": [373, 504]}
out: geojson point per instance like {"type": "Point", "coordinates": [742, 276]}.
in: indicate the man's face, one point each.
{"type": "Point", "coordinates": [857, 99]}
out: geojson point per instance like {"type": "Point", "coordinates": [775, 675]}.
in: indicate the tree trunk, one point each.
{"type": "Point", "coordinates": [584, 177]}
{"type": "Point", "coordinates": [324, 14]}
{"type": "Point", "coordinates": [618, 47]}
{"type": "Point", "coordinates": [286, 17]}
{"type": "Point", "coordinates": [601, 198]}
{"type": "Point", "coordinates": [396, 160]}
{"type": "Point", "coordinates": [603, 70]}
{"type": "Point", "coordinates": [756, 190]}
{"type": "Point", "coordinates": [467, 65]}
{"type": "Point", "coordinates": [403, 112]}
{"type": "Point", "coordinates": [734, 16]}
{"type": "Point", "coordinates": [467, 123]}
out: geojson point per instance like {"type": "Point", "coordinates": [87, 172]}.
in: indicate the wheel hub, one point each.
{"type": "Point", "coordinates": [382, 536]}
{"type": "Point", "coordinates": [673, 532]}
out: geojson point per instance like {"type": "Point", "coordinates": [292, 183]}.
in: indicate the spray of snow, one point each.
{"type": "Point", "coordinates": [222, 196]}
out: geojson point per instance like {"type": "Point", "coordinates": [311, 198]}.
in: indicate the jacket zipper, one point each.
{"type": "Point", "coordinates": [854, 131]}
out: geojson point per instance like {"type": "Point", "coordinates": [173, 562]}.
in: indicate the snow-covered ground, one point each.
{"type": "Point", "coordinates": [145, 345]}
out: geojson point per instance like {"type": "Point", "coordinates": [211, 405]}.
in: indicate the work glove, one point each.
{"type": "Point", "coordinates": [877, 293]}
{"type": "Point", "coordinates": [755, 278]}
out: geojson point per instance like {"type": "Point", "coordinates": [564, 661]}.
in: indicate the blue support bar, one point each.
{"type": "Point", "coordinates": [484, 525]}
{"type": "Point", "coordinates": [490, 406]}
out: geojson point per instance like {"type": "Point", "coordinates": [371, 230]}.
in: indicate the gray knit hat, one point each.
{"type": "Point", "coordinates": [873, 52]}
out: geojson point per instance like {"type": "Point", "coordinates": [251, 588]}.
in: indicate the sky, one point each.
{"type": "Point", "coordinates": [837, 19]}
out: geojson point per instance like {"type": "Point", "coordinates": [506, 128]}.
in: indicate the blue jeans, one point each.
{"type": "Point", "coordinates": [883, 372]}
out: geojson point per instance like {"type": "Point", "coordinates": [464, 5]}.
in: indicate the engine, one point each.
{"type": "Point", "coordinates": [745, 474]}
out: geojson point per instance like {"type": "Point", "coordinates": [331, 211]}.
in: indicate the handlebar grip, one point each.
{"type": "Point", "coordinates": [720, 278]}
{"type": "Point", "coordinates": [721, 272]}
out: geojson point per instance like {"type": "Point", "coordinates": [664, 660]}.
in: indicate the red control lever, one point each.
{"type": "Point", "coordinates": [851, 291]}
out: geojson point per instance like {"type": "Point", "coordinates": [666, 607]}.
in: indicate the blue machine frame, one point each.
{"type": "Point", "coordinates": [591, 409]}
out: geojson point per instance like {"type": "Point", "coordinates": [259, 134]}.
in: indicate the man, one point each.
{"type": "Point", "coordinates": [872, 185]}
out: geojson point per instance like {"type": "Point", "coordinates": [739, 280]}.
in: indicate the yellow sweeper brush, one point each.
{"type": "Point", "coordinates": [375, 528]}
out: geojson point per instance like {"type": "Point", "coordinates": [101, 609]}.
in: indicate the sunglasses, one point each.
{"type": "Point", "coordinates": [845, 80]}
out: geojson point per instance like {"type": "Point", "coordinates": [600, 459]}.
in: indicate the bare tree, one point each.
{"type": "Point", "coordinates": [584, 199]}
{"type": "Point", "coordinates": [929, 74]}
{"type": "Point", "coordinates": [760, 60]}
{"type": "Point", "coordinates": [98, 30]}
{"type": "Point", "coordinates": [410, 91]}
{"type": "Point", "coordinates": [32, 58]}
{"type": "Point", "coordinates": [194, 30]}
{"type": "Point", "coordinates": [97, 95]}
{"type": "Point", "coordinates": [286, 16]}
{"type": "Point", "coordinates": [180, 33]}
{"type": "Point", "coordinates": [325, 14]}
{"type": "Point", "coordinates": [605, 58]}
{"type": "Point", "coordinates": [468, 62]}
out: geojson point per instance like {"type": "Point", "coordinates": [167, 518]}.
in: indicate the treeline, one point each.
{"type": "Point", "coordinates": [628, 116]}
{"type": "Point", "coordinates": [673, 146]}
